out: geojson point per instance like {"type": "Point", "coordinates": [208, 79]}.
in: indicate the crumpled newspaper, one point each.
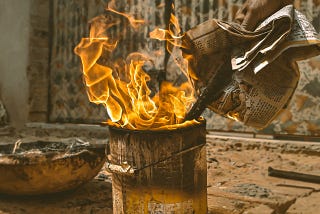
{"type": "Point", "coordinates": [265, 73]}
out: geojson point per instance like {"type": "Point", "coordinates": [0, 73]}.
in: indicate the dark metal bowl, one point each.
{"type": "Point", "coordinates": [44, 167]}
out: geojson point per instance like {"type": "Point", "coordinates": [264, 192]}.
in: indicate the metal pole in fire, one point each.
{"type": "Point", "coordinates": [168, 10]}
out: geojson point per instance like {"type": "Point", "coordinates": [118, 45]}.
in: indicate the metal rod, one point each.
{"type": "Point", "coordinates": [212, 90]}
{"type": "Point", "coordinates": [168, 11]}
{"type": "Point", "coordinates": [167, 15]}
{"type": "Point", "coordinates": [293, 175]}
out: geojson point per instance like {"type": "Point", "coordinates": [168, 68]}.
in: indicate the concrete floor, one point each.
{"type": "Point", "coordinates": [238, 181]}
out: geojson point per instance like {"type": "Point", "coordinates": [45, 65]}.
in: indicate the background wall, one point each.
{"type": "Point", "coordinates": [14, 40]}
{"type": "Point", "coordinates": [68, 98]}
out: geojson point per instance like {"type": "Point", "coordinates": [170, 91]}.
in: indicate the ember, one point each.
{"type": "Point", "coordinates": [121, 85]}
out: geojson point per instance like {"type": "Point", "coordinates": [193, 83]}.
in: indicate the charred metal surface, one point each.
{"type": "Point", "coordinates": [170, 170]}
{"type": "Point", "coordinates": [43, 167]}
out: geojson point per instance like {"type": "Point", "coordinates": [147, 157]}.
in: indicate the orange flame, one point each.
{"type": "Point", "coordinates": [121, 85]}
{"type": "Point", "coordinates": [174, 38]}
{"type": "Point", "coordinates": [172, 35]}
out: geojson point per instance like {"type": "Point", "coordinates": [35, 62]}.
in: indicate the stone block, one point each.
{"type": "Point", "coordinates": [261, 209]}
{"type": "Point", "coordinates": [306, 205]}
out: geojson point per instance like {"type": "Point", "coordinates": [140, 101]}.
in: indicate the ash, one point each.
{"type": "Point", "coordinates": [69, 146]}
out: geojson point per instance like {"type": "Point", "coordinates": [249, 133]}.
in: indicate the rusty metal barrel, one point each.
{"type": "Point", "coordinates": [161, 171]}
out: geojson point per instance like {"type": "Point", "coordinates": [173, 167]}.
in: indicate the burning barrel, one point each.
{"type": "Point", "coordinates": [158, 171]}
{"type": "Point", "coordinates": [157, 157]}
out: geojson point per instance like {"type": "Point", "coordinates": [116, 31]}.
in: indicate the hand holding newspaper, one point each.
{"type": "Point", "coordinates": [264, 69]}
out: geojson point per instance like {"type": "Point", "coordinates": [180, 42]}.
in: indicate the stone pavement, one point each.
{"type": "Point", "coordinates": [238, 181]}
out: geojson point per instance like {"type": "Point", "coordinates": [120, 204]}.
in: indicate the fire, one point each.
{"type": "Point", "coordinates": [121, 85]}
